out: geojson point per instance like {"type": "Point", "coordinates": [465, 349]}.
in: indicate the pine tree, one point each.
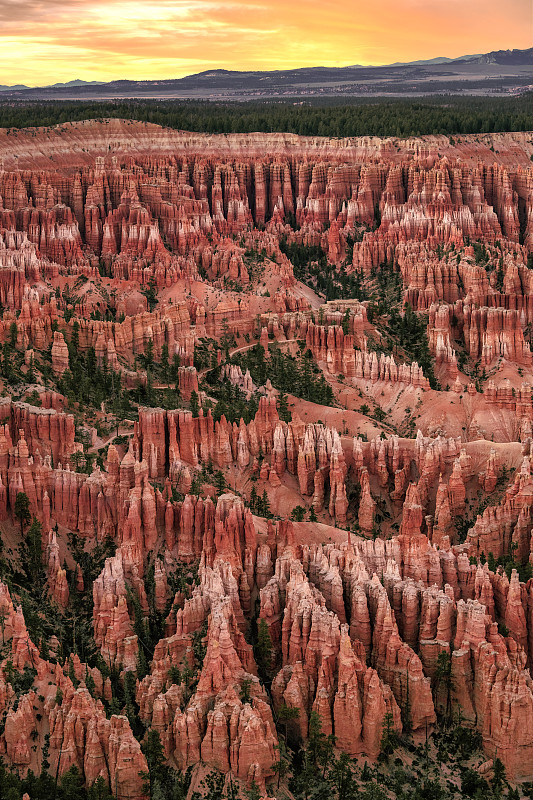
{"type": "Point", "coordinates": [157, 793]}
{"type": "Point", "coordinates": [286, 714]}
{"type": "Point", "coordinates": [346, 322]}
{"type": "Point", "coordinates": [175, 371]}
{"type": "Point", "coordinates": [31, 553]}
{"type": "Point", "coordinates": [165, 367]}
{"type": "Point", "coordinates": [13, 334]}
{"type": "Point", "coordinates": [22, 510]}
{"type": "Point", "coordinates": [244, 694]}
{"type": "Point", "coordinates": [155, 758]}
{"type": "Point", "coordinates": [253, 498]}
{"type": "Point", "coordinates": [498, 780]}
{"type": "Point", "coordinates": [89, 682]}
{"type": "Point", "coordinates": [99, 790]}
{"type": "Point", "coordinates": [120, 406]}
{"type": "Point", "coordinates": [220, 481]}
{"type": "Point", "coordinates": [283, 765]}
{"type": "Point", "coordinates": [174, 675]}
{"type": "Point", "coordinates": [75, 338]}
{"type": "Point", "coordinates": [254, 792]}
{"type": "Point", "coordinates": [72, 784]}
{"type": "Point", "coordinates": [297, 514]}
{"type": "Point", "coordinates": [317, 740]}
{"type": "Point", "coordinates": [283, 407]}
{"type": "Point", "coordinates": [149, 387]}
{"type": "Point", "coordinates": [195, 406]}
{"type": "Point", "coordinates": [265, 505]}
{"type": "Point", "coordinates": [443, 678]}
{"type": "Point", "coordinates": [149, 354]}
{"type": "Point", "coordinates": [342, 777]}
{"type": "Point", "coordinates": [263, 650]}
{"type": "Point", "coordinates": [388, 736]}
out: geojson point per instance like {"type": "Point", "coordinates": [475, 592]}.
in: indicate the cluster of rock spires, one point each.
{"type": "Point", "coordinates": [357, 615]}
{"type": "Point", "coordinates": [356, 626]}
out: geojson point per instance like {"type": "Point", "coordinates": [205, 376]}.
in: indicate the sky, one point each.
{"type": "Point", "coordinates": [46, 41]}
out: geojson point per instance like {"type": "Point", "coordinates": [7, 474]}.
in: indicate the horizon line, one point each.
{"type": "Point", "coordinates": [282, 69]}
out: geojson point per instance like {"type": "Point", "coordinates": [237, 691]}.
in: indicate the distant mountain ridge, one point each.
{"type": "Point", "coordinates": [437, 61]}
{"type": "Point", "coordinates": [485, 74]}
{"type": "Point", "coordinates": [76, 82]}
{"type": "Point", "coordinates": [507, 57]}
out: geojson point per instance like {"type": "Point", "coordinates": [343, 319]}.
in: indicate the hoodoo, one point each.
{"type": "Point", "coordinates": [266, 460]}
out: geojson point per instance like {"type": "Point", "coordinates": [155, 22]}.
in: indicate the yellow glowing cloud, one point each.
{"type": "Point", "coordinates": [44, 41]}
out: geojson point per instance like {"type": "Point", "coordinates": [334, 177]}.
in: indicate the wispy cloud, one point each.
{"type": "Point", "coordinates": [43, 41]}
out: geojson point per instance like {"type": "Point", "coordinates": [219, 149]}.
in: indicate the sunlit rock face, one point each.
{"type": "Point", "coordinates": [269, 401]}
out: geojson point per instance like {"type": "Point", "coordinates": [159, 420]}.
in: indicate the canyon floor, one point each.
{"type": "Point", "coordinates": [265, 465]}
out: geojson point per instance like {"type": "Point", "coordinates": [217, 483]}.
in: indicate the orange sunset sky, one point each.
{"type": "Point", "coordinates": [45, 41]}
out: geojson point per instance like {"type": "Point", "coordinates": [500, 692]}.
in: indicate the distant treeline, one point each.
{"type": "Point", "coordinates": [321, 117]}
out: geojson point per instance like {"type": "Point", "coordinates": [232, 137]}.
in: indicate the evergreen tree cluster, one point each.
{"type": "Point", "coordinates": [320, 116]}
{"type": "Point", "coordinates": [259, 504]}
{"type": "Point", "coordinates": [297, 375]}
{"type": "Point", "coordinates": [409, 330]}
{"type": "Point", "coordinates": [85, 382]}
{"type": "Point", "coordinates": [231, 400]}
{"type": "Point", "coordinates": [311, 267]}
